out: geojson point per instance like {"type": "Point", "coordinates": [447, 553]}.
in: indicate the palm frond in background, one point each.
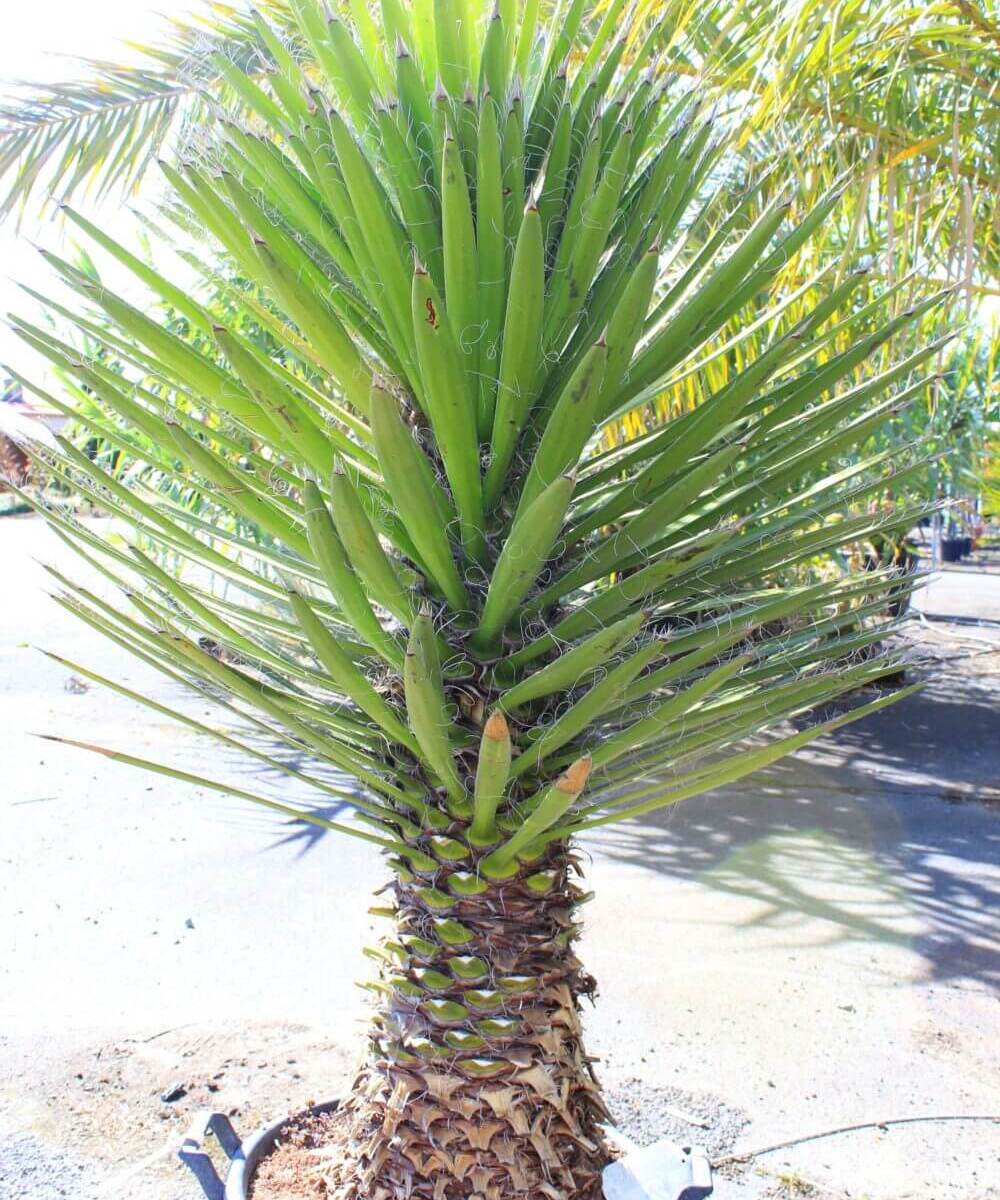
{"type": "Point", "coordinates": [102, 131]}
{"type": "Point", "coordinates": [906, 94]}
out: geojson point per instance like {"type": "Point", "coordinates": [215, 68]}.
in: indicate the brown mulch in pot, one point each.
{"type": "Point", "coordinates": [294, 1168]}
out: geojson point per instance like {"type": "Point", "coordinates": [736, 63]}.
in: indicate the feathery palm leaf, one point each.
{"type": "Point", "coordinates": [102, 132]}
{"type": "Point", "coordinates": [908, 96]}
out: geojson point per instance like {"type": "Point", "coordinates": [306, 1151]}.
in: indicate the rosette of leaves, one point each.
{"type": "Point", "coordinates": [498, 630]}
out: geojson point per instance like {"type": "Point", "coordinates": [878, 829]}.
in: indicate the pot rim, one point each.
{"type": "Point", "coordinates": [244, 1156]}
{"type": "Point", "coordinates": [694, 1180]}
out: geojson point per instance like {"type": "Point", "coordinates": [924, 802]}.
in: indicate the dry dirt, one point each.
{"type": "Point", "coordinates": [120, 1109]}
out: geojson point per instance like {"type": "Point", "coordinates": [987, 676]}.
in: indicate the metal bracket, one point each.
{"type": "Point", "coordinates": [197, 1160]}
{"type": "Point", "coordinates": [663, 1171]}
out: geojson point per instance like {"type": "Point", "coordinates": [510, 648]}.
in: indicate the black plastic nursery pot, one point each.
{"type": "Point", "coordinates": [951, 550]}
{"type": "Point", "coordinates": [244, 1157]}
{"type": "Point", "coordinates": [966, 546]}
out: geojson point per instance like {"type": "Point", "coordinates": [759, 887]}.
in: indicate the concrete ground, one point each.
{"type": "Point", "coordinates": [815, 948]}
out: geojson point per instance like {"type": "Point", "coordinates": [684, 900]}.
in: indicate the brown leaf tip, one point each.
{"type": "Point", "coordinates": [496, 728]}
{"type": "Point", "coordinates": [575, 777]}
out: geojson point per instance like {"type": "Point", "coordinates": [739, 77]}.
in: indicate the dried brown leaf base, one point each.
{"type": "Point", "coordinates": [316, 1159]}
{"type": "Point", "coordinates": [476, 1085]}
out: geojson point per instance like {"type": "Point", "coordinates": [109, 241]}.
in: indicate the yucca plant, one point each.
{"type": "Point", "coordinates": [501, 629]}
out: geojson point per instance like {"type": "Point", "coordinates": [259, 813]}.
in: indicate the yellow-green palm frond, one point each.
{"type": "Point", "coordinates": [103, 130]}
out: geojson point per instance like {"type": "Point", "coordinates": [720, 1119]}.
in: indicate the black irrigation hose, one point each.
{"type": "Point", "coordinates": [747, 1155]}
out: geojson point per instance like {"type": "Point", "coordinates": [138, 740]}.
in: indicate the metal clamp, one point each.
{"type": "Point", "coordinates": [197, 1160]}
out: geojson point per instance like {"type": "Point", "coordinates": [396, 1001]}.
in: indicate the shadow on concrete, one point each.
{"type": "Point", "coordinates": [861, 834]}
{"type": "Point", "coordinates": [886, 833]}
{"type": "Point", "coordinates": [944, 740]}
{"type": "Point", "coordinates": [258, 777]}
{"type": "Point", "coordinates": [872, 836]}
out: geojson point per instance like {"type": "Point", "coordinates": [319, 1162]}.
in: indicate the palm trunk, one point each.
{"type": "Point", "coordinates": [476, 1083]}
